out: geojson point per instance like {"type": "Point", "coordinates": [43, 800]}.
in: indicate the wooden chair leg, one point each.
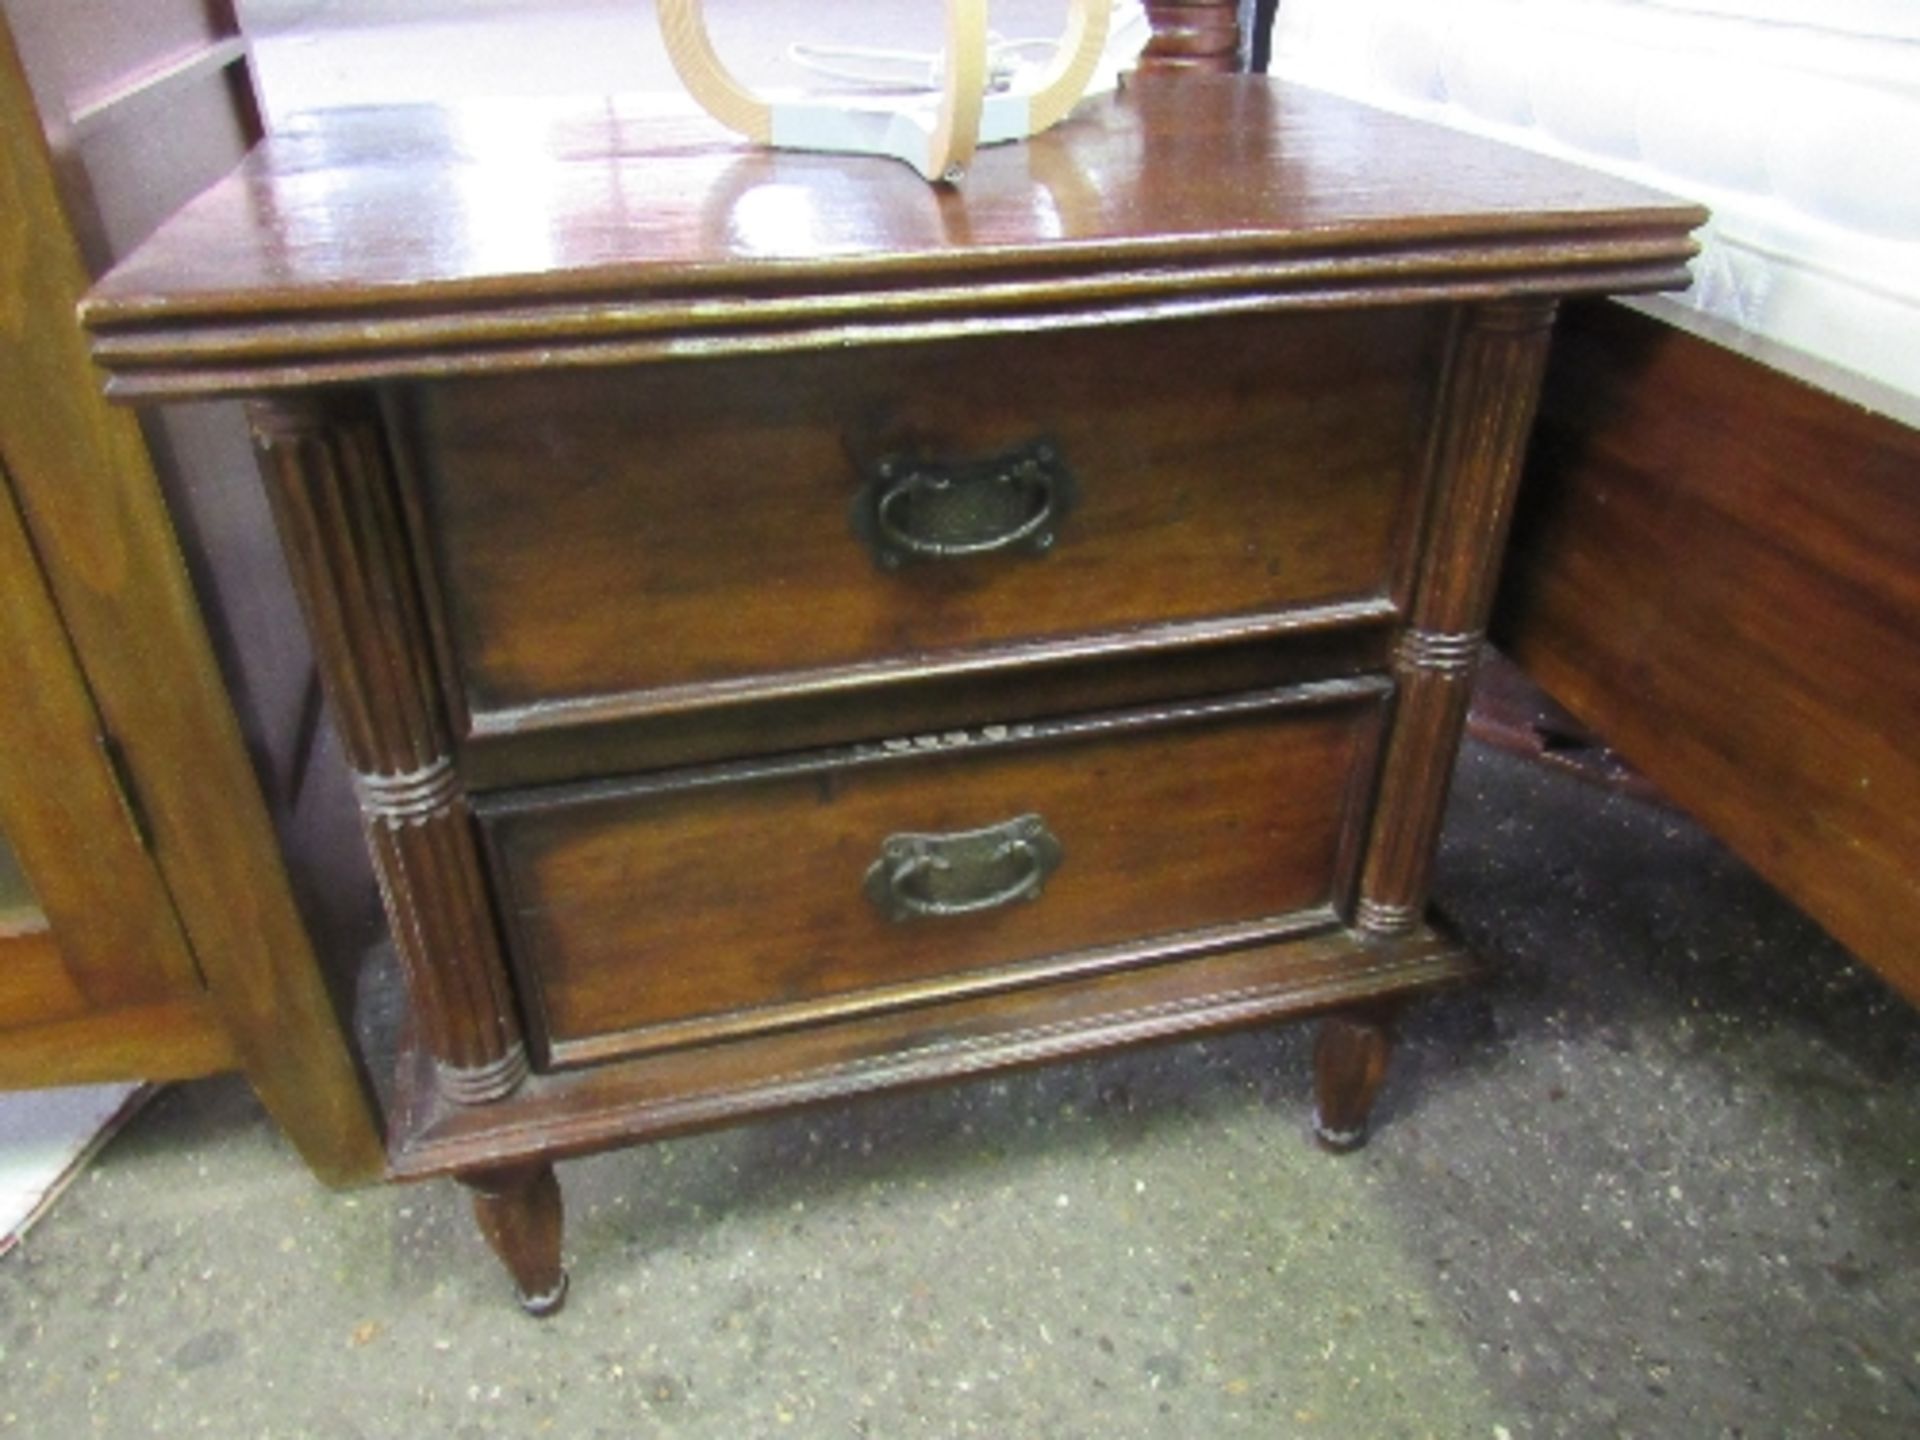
{"type": "Point", "coordinates": [1349, 1062]}
{"type": "Point", "coordinates": [520, 1215]}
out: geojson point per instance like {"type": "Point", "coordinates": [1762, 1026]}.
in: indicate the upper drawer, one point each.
{"type": "Point", "coordinates": [609, 542]}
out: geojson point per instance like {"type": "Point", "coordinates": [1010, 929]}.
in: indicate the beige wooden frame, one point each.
{"type": "Point", "coordinates": [957, 130]}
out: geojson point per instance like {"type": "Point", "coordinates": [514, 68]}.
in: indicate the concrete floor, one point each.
{"type": "Point", "coordinates": [1656, 1179]}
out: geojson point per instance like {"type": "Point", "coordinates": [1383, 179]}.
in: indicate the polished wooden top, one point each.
{"type": "Point", "coordinates": [357, 244]}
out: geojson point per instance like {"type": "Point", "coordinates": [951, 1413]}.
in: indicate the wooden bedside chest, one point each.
{"type": "Point", "coordinates": [802, 632]}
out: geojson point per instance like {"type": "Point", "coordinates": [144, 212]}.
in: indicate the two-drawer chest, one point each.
{"type": "Point", "coordinates": [799, 631]}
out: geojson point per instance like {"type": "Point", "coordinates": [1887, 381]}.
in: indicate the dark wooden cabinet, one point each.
{"type": "Point", "coordinates": [799, 631]}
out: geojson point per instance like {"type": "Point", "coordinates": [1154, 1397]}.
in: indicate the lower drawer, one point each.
{"type": "Point", "coordinates": [710, 903]}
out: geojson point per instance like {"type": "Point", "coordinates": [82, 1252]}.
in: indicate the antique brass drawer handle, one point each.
{"type": "Point", "coordinates": [925, 876]}
{"type": "Point", "coordinates": [937, 510]}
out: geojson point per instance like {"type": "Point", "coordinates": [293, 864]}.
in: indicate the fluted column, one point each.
{"type": "Point", "coordinates": [1485, 414]}
{"type": "Point", "coordinates": [331, 481]}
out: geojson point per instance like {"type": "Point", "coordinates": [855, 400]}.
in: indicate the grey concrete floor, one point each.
{"type": "Point", "coordinates": [1657, 1178]}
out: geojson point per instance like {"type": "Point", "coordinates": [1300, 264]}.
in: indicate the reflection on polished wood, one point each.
{"type": "Point", "coordinates": [517, 236]}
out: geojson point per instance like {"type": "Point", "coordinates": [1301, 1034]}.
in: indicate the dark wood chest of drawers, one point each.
{"type": "Point", "coordinates": [801, 632]}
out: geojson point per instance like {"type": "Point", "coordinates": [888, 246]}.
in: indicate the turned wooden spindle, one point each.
{"type": "Point", "coordinates": [1197, 35]}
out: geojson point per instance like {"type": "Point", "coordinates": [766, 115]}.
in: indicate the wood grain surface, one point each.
{"type": "Point", "coordinates": [62, 806]}
{"type": "Point", "coordinates": [676, 1091]}
{"type": "Point", "coordinates": [35, 984]}
{"type": "Point", "coordinates": [324, 460]}
{"type": "Point", "coordinates": [633, 906]}
{"type": "Point", "coordinates": [1717, 567]}
{"type": "Point", "coordinates": [92, 510]}
{"type": "Point", "coordinates": [441, 241]}
{"type": "Point", "coordinates": [1479, 443]}
{"type": "Point", "coordinates": [180, 1039]}
{"type": "Point", "coordinates": [687, 529]}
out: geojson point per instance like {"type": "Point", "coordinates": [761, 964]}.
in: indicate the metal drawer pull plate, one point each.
{"type": "Point", "coordinates": [921, 877]}
{"type": "Point", "coordinates": [940, 510]}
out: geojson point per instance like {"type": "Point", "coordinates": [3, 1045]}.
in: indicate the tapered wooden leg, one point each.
{"type": "Point", "coordinates": [520, 1216]}
{"type": "Point", "coordinates": [1349, 1062]}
